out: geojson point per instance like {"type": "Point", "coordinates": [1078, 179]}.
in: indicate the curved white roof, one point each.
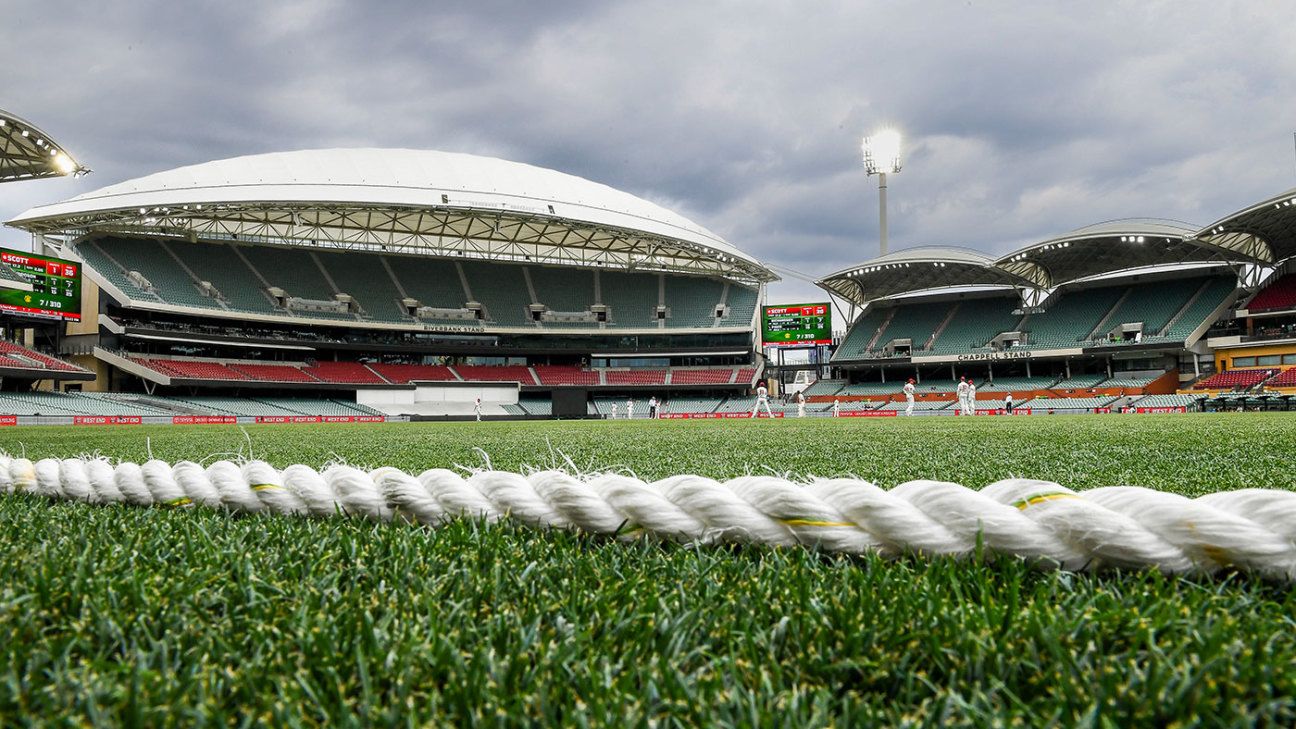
{"type": "Point", "coordinates": [28, 153]}
{"type": "Point", "coordinates": [399, 179]}
{"type": "Point", "coordinates": [944, 254]}
{"type": "Point", "coordinates": [1265, 231]}
{"type": "Point", "coordinates": [1128, 226]}
{"type": "Point", "coordinates": [921, 268]}
{"type": "Point", "coordinates": [1112, 246]}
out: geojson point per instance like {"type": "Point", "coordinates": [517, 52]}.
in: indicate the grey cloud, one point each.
{"type": "Point", "coordinates": [1021, 120]}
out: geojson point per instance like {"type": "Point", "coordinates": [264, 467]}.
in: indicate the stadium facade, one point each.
{"type": "Point", "coordinates": [327, 273]}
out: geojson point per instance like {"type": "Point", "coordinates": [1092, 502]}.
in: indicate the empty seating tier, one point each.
{"type": "Point", "coordinates": [825, 387]}
{"type": "Point", "coordinates": [635, 377]}
{"type": "Point", "coordinates": [566, 375]}
{"type": "Point", "coordinates": [974, 323]}
{"type": "Point", "coordinates": [347, 373]}
{"type": "Point", "coordinates": [173, 272]}
{"type": "Point", "coordinates": [194, 369]}
{"type": "Point", "coordinates": [1167, 401]}
{"type": "Point", "coordinates": [1066, 403]}
{"type": "Point", "coordinates": [1234, 380]}
{"type": "Point", "coordinates": [1128, 382]}
{"type": "Point", "coordinates": [1286, 378]}
{"type": "Point", "coordinates": [1012, 384]}
{"type": "Point", "coordinates": [1281, 294]}
{"type": "Point", "coordinates": [496, 373]}
{"type": "Point", "coordinates": [405, 373]}
{"type": "Point", "coordinates": [1079, 382]}
{"type": "Point", "coordinates": [272, 373]}
{"type": "Point", "coordinates": [926, 405]}
{"type": "Point", "coordinates": [15, 355]}
{"type": "Point", "coordinates": [691, 404]}
{"type": "Point", "coordinates": [709, 376]}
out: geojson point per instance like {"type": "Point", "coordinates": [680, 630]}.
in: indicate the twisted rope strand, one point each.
{"type": "Point", "coordinates": [1250, 529]}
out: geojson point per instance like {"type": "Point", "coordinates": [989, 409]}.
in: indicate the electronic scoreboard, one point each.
{"type": "Point", "coordinates": [796, 325]}
{"type": "Point", "coordinates": [55, 286]}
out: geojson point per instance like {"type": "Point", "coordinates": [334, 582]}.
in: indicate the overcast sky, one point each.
{"type": "Point", "coordinates": [1021, 120]}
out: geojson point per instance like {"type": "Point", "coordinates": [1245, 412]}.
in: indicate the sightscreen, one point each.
{"type": "Point", "coordinates": [796, 325]}
{"type": "Point", "coordinates": [55, 284]}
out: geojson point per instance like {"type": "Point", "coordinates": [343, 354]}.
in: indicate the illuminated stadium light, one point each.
{"type": "Point", "coordinates": [881, 157]}
{"type": "Point", "coordinates": [882, 152]}
{"type": "Point", "coordinates": [64, 163]}
{"type": "Point", "coordinates": [27, 152]}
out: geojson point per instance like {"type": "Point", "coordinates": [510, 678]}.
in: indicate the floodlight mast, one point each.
{"type": "Point", "coordinates": [882, 156]}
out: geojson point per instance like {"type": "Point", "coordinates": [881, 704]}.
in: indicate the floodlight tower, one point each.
{"type": "Point", "coordinates": [882, 156]}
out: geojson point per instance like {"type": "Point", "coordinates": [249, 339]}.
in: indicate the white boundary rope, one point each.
{"type": "Point", "coordinates": [1123, 526]}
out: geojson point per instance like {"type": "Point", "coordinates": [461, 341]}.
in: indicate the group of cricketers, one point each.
{"type": "Point", "coordinates": [966, 392]}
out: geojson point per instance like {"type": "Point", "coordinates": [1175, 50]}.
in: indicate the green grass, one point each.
{"type": "Point", "coordinates": [120, 615]}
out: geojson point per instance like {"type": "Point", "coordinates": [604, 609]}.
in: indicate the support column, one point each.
{"type": "Point", "coordinates": [882, 213]}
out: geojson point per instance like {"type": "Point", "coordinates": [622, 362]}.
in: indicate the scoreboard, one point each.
{"type": "Point", "coordinates": [796, 325]}
{"type": "Point", "coordinates": [55, 286]}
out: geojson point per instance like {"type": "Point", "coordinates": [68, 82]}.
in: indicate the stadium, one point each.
{"type": "Point", "coordinates": [306, 524]}
{"type": "Point", "coordinates": [385, 283]}
{"type": "Point", "coordinates": [372, 283]}
{"type": "Point", "coordinates": [1142, 315]}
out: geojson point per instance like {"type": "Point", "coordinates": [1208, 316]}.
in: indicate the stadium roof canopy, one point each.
{"type": "Point", "coordinates": [1264, 232]}
{"type": "Point", "coordinates": [1111, 247]}
{"type": "Point", "coordinates": [917, 269]}
{"type": "Point", "coordinates": [403, 201]}
{"type": "Point", "coordinates": [27, 153]}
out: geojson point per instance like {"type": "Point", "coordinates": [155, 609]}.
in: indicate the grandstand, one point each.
{"type": "Point", "coordinates": [291, 284]}
{"type": "Point", "coordinates": [1063, 317]}
{"type": "Point", "coordinates": [1067, 403]}
{"type": "Point", "coordinates": [322, 274]}
{"type": "Point", "coordinates": [1188, 402]}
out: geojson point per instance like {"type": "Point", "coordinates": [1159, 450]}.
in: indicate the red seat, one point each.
{"type": "Point", "coordinates": [193, 369]}
{"type": "Point", "coordinates": [1281, 294]}
{"type": "Point", "coordinates": [48, 362]}
{"type": "Point", "coordinates": [709, 376]}
{"type": "Point", "coordinates": [635, 377]}
{"type": "Point", "coordinates": [1287, 378]}
{"type": "Point", "coordinates": [272, 372]}
{"type": "Point", "coordinates": [1234, 380]}
{"type": "Point", "coordinates": [405, 373]}
{"type": "Point", "coordinates": [565, 375]}
{"type": "Point", "coordinates": [496, 373]}
{"type": "Point", "coordinates": [346, 373]}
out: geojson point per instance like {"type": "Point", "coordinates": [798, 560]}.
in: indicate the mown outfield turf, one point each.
{"type": "Point", "coordinates": [150, 616]}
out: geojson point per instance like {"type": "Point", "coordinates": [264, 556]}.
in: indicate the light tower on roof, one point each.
{"type": "Point", "coordinates": [882, 156]}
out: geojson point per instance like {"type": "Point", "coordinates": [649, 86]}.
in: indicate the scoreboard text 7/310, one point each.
{"type": "Point", "coordinates": [796, 325]}
{"type": "Point", "coordinates": [55, 286]}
